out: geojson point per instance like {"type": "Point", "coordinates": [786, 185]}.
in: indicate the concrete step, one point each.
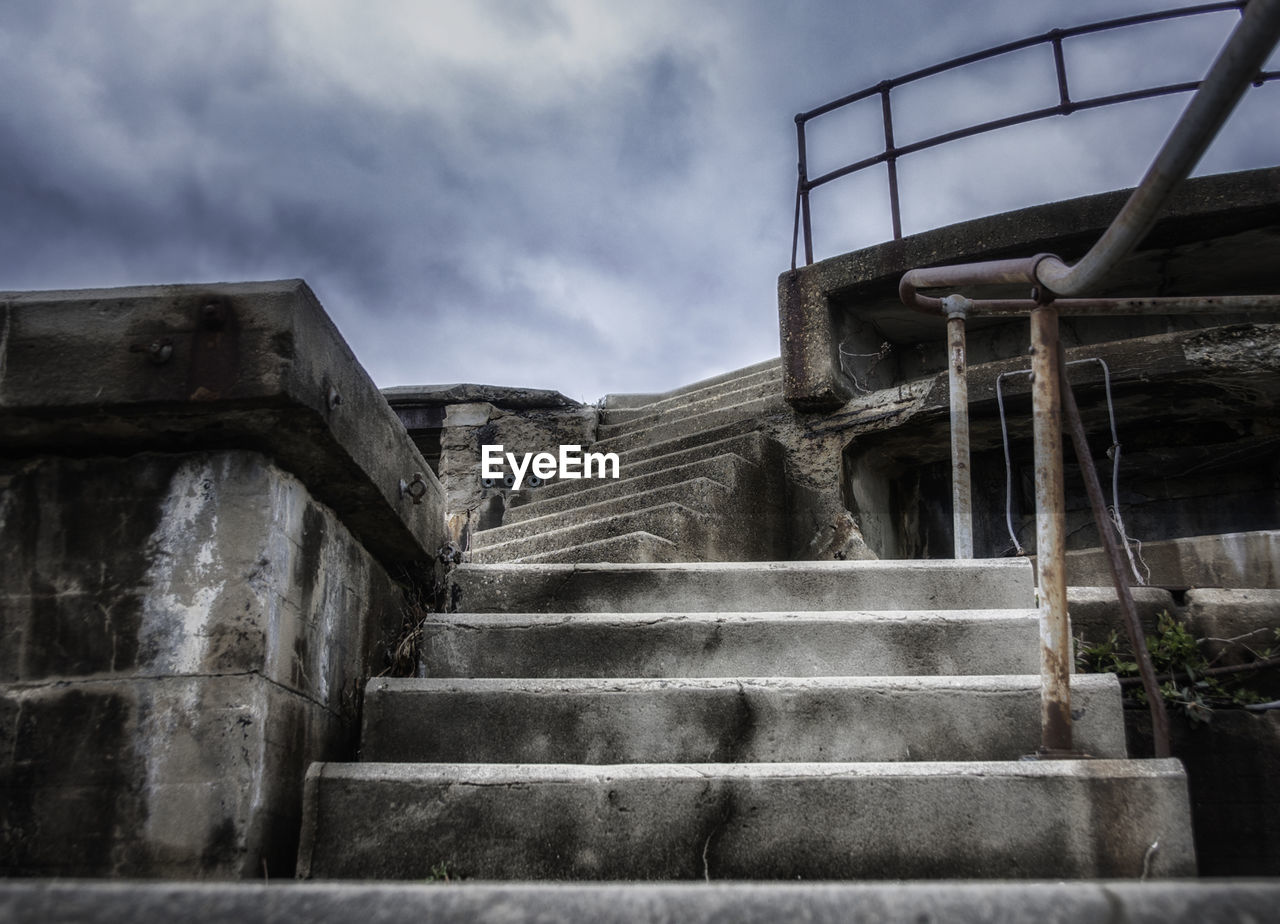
{"type": "Point", "coordinates": [705, 495]}
{"type": "Point", "coordinates": [434, 902]}
{"type": "Point", "coordinates": [759, 385]}
{"type": "Point", "coordinates": [747, 720]}
{"type": "Point", "coordinates": [727, 469]}
{"type": "Point", "coordinates": [689, 529]}
{"type": "Point", "coordinates": [635, 400]}
{"type": "Point", "coordinates": [754, 447]}
{"type": "Point", "coordinates": [982, 819]}
{"type": "Point", "coordinates": [691, 425]}
{"type": "Point", "coordinates": [744, 586]}
{"type": "Point", "coordinates": [634, 548]}
{"type": "Point", "coordinates": [743, 644]}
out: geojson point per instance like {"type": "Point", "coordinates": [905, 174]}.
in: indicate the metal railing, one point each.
{"type": "Point", "coordinates": [1066, 105]}
{"type": "Point", "coordinates": [1053, 405]}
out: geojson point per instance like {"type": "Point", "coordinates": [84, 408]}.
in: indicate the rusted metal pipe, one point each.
{"type": "Point", "coordinates": [1162, 305]}
{"type": "Point", "coordinates": [991, 272]}
{"type": "Point", "coordinates": [1236, 66]}
{"type": "Point", "coordinates": [958, 376]}
{"type": "Point", "coordinates": [1110, 543]}
{"type": "Point", "coordinates": [1051, 550]}
{"type": "Point", "coordinates": [1084, 307]}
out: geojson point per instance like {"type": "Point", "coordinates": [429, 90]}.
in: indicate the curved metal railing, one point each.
{"type": "Point", "coordinates": [1065, 106]}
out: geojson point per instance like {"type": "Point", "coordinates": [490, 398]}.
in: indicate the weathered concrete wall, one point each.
{"type": "Point", "coordinates": [1216, 236]}
{"type": "Point", "coordinates": [459, 419]}
{"type": "Point", "coordinates": [1192, 394]}
{"type": "Point", "coordinates": [197, 545]}
{"type": "Point", "coordinates": [182, 634]}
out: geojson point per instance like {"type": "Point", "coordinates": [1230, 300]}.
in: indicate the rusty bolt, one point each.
{"type": "Point", "coordinates": [160, 351]}
{"type": "Point", "coordinates": [213, 316]}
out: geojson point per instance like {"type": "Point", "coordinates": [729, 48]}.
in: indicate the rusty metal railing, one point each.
{"type": "Point", "coordinates": [1048, 277]}
{"type": "Point", "coordinates": [1066, 106]}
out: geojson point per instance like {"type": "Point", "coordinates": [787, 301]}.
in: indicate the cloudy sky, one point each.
{"type": "Point", "coordinates": [585, 195]}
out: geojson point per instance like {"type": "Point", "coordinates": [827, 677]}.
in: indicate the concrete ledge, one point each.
{"type": "Point", "coordinates": [804, 644]}
{"type": "Point", "coordinates": [1068, 819]}
{"type": "Point", "coordinates": [1235, 560]}
{"type": "Point", "coordinates": [743, 586]}
{"type": "Point", "coordinates": [1166, 902]}
{"type": "Point", "coordinates": [227, 366]}
{"type": "Point", "coordinates": [753, 720]}
{"type": "Point", "coordinates": [1236, 208]}
{"type": "Point", "coordinates": [497, 395]}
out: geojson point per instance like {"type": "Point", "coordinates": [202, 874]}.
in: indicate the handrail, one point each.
{"type": "Point", "coordinates": [1052, 402]}
{"type": "Point", "coordinates": [1065, 106]}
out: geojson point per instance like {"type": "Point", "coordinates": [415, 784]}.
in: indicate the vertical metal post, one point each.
{"type": "Point", "coordinates": [958, 376]}
{"type": "Point", "coordinates": [1060, 65]}
{"type": "Point", "coordinates": [802, 190]}
{"type": "Point", "coordinates": [1051, 557]}
{"type": "Point", "coordinates": [891, 160]}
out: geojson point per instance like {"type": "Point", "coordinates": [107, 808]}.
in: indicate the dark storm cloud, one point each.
{"type": "Point", "coordinates": [565, 194]}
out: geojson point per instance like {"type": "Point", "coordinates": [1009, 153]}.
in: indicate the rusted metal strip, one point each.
{"type": "Point", "coordinates": [958, 376]}
{"type": "Point", "coordinates": [1110, 543]}
{"type": "Point", "coordinates": [1020, 271]}
{"type": "Point", "coordinates": [1051, 550]}
{"type": "Point", "coordinates": [1083, 307]}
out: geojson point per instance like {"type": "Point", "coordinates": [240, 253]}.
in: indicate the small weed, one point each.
{"type": "Point", "coordinates": [1187, 678]}
{"type": "Point", "coordinates": [440, 872]}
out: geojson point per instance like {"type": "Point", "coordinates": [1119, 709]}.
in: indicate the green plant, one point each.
{"type": "Point", "coordinates": [1187, 678]}
{"type": "Point", "coordinates": [440, 872]}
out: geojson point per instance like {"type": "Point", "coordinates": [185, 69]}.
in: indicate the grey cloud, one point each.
{"type": "Point", "coordinates": [615, 227]}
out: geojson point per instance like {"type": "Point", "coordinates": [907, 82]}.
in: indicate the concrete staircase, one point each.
{"type": "Point", "coordinates": [695, 484]}
{"type": "Point", "coordinates": [779, 721]}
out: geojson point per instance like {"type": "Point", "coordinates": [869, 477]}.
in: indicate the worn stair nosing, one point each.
{"type": "Point", "coordinates": [567, 533]}
{"type": "Point", "coordinates": [652, 465]}
{"type": "Point", "coordinates": [710, 382]}
{"type": "Point", "coordinates": [624, 488]}
{"type": "Point", "coordinates": [683, 492]}
{"type": "Point", "coordinates": [748, 410]}
{"type": "Point", "coordinates": [680, 408]}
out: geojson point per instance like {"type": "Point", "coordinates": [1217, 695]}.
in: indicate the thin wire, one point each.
{"type": "Point", "coordinates": [1008, 467]}
{"type": "Point", "coordinates": [1113, 454]}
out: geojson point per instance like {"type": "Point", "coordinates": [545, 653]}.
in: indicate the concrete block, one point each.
{"type": "Point", "coordinates": [190, 564]}
{"type": "Point", "coordinates": [1233, 622]}
{"type": "Point", "coordinates": [180, 633]}
{"type": "Point", "coordinates": [1239, 560]}
{"type": "Point", "coordinates": [740, 720]}
{"type": "Point", "coordinates": [242, 366]}
{"type": "Point", "coordinates": [741, 587]}
{"type": "Point", "coordinates": [1060, 819]}
{"type": "Point", "coordinates": [1181, 902]}
{"type": "Point", "coordinates": [170, 777]}
{"type": "Point", "coordinates": [1095, 611]}
{"type": "Point", "coordinates": [793, 643]}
